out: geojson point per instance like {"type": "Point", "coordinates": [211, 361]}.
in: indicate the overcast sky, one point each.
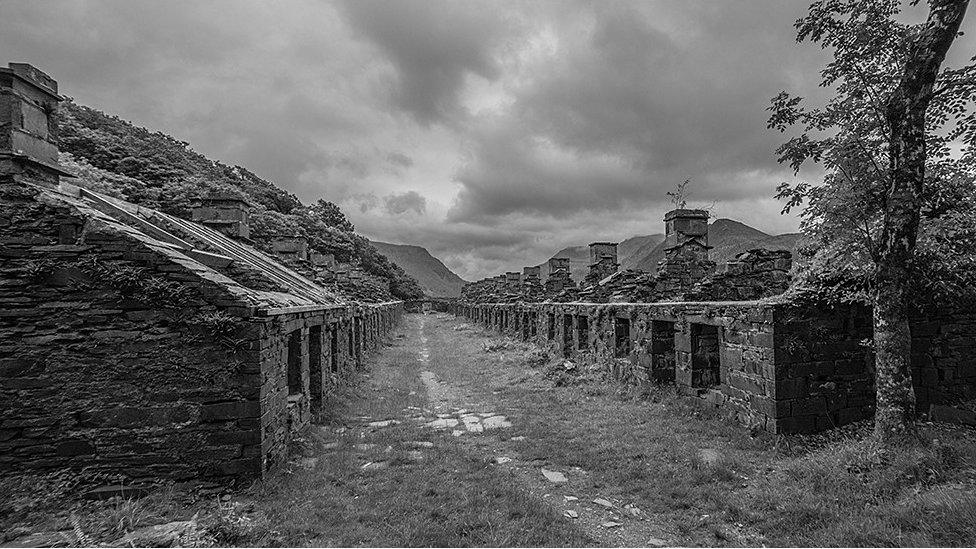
{"type": "Point", "coordinates": [491, 133]}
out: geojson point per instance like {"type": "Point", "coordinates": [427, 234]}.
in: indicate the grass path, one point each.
{"type": "Point", "coordinates": [639, 470]}
{"type": "Point", "coordinates": [633, 469]}
{"type": "Point", "coordinates": [455, 437]}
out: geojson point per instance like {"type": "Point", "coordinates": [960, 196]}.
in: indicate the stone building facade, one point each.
{"type": "Point", "coordinates": [733, 337]}
{"type": "Point", "coordinates": [137, 342]}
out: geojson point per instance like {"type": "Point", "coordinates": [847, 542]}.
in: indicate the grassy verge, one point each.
{"type": "Point", "coordinates": [719, 484]}
{"type": "Point", "coordinates": [697, 478]}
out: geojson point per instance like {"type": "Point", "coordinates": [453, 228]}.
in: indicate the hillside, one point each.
{"type": "Point", "coordinates": [434, 277]}
{"type": "Point", "coordinates": [153, 169]}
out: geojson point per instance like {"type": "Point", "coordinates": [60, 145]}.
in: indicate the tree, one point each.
{"type": "Point", "coordinates": [679, 195]}
{"type": "Point", "coordinates": [329, 215]}
{"type": "Point", "coordinates": [896, 140]}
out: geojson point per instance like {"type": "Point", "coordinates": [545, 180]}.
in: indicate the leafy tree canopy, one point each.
{"type": "Point", "coordinates": [849, 137]}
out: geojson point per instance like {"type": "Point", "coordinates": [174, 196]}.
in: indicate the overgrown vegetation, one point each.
{"type": "Point", "coordinates": [115, 157]}
{"type": "Point", "coordinates": [893, 219]}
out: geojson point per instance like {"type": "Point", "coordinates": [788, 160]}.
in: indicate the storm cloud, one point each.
{"type": "Point", "coordinates": [410, 201]}
{"type": "Point", "coordinates": [493, 133]}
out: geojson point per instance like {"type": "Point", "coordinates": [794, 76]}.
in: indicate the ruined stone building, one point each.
{"type": "Point", "coordinates": [139, 342]}
{"type": "Point", "coordinates": [733, 337]}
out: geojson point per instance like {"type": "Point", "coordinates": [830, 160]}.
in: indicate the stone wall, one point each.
{"type": "Point", "coordinates": [943, 351]}
{"type": "Point", "coordinates": [344, 336]}
{"type": "Point", "coordinates": [776, 365]}
{"type": "Point", "coordinates": [114, 357]}
{"type": "Point", "coordinates": [661, 342]}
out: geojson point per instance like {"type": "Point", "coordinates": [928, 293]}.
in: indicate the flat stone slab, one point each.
{"type": "Point", "coordinates": [603, 503]}
{"type": "Point", "coordinates": [709, 456]}
{"type": "Point", "coordinates": [496, 422]}
{"type": "Point", "coordinates": [472, 423]}
{"type": "Point", "coordinates": [443, 423]}
{"type": "Point", "coordinates": [554, 476]}
{"type": "Point", "coordinates": [384, 423]}
{"type": "Point", "coordinates": [374, 465]}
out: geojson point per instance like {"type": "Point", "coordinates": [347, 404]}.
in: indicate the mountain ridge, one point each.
{"type": "Point", "coordinates": [434, 277]}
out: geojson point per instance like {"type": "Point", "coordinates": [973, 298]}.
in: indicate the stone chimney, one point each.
{"type": "Point", "coordinates": [321, 260]}
{"type": "Point", "coordinates": [226, 213]}
{"type": "Point", "coordinates": [292, 248]}
{"type": "Point", "coordinates": [603, 260]}
{"type": "Point", "coordinates": [559, 276]}
{"type": "Point", "coordinates": [557, 264]}
{"type": "Point", "coordinates": [29, 125]}
{"type": "Point", "coordinates": [686, 234]}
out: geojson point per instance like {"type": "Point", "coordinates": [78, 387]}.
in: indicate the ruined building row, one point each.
{"type": "Point", "coordinates": [142, 343]}
{"type": "Point", "coordinates": [733, 337]}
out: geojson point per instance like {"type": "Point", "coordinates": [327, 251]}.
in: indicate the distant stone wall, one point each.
{"type": "Point", "coordinates": [115, 358]}
{"type": "Point", "coordinates": [722, 354]}
{"type": "Point", "coordinates": [779, 366]}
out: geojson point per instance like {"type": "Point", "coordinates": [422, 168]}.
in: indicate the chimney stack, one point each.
{"type": "Point", "coordinates": [603, 260]}
{"type": "Point", "coordinates": [226, 213]}
{"type": "Point", "coordinates": [686, 234]}
{"type": "Point", "coordinates": [293, 248]}
{"type": "Point", "coordinates": [29, 125]}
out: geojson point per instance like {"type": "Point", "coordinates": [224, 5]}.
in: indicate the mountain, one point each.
{"type": "Point", "coordinates": [434, 277]}
{"type": "Point", "coordinates": [643, 246]}
{"type": "Point", "coordinates": [627, 253]}
{"type": "Point", "coordinates": [115, 157]}
{"type": "Point", "coordinates": [727, 238]}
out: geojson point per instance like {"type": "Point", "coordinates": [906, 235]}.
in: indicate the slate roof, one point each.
{"type": "Point", "coordinates": [246, 277]}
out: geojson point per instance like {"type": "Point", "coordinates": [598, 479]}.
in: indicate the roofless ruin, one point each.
{"type": "Point", "coordinates": [734, 337]}
{"type": "Point", "coordinates": [132, 340]}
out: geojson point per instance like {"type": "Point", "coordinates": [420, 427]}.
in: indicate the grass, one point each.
{"type": "Point", "coordinates": [457, 500]}
{"type": "Point", "coordinates": [698, 478]}
{"type": "Point", "coordinates": [642, 445]}
{"type": "Point", "coordinates": [853, 492]}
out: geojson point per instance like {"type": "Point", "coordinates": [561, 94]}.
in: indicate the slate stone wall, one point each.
{"type": "Point", "coordinates": [944, 358]}
{"type": "Point", "coordinates": [98, 374]}
{"type": "Point", "coordinates": [115, 358]}
{"type": "Point", "coordinates": [824, 366]}
{"type": "Point", "coordinates": [782, 367]}
{"type": "Point", "coordinates": [659, 346]}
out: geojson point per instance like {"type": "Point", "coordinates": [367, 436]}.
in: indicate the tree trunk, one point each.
{"type": "Point", "coordinates": [895, 415]}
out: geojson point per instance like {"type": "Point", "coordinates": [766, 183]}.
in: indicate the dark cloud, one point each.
{"type": "Point", "coordinates": [434, 45]}
{"type": "Point", "coordinates": [405, 202]}
{"type": "Point", "coordinates": [521, 126]}
{"type": "Point", "coordinates": [399, 159]}
{"type": "Point", "coordinates": [630, 107]}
